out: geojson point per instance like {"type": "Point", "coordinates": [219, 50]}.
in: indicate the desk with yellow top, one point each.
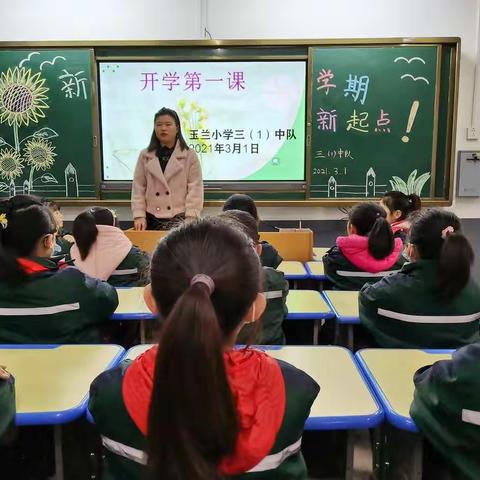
{"type": "Point", "coordinates": [390, 372]}
{"type": "Point", "coordinates": [302, 305]}
{"type": "Point", "coordinates": [52, 382]}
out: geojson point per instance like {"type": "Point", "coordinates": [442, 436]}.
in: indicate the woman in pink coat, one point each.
{"type": "Point", "coordinates": [167, 184]}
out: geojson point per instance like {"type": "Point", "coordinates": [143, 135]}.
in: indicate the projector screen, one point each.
{"type": "Point", "coordinates": [245, 120]}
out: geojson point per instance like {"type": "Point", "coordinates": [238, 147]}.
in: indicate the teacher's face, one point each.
{"type": "Point", "coordinates": [166, 130]}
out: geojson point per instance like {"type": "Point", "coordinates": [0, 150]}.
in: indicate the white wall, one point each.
{"type": "Point", "coordinates": [181, 19]}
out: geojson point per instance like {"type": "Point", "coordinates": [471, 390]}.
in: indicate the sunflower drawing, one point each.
{"type": "Point", "coordinates": [11, 164]}
{"type": "Point", "coordinates": [39, 153]}
{"type": "Point", "coordinates": [22, 98]}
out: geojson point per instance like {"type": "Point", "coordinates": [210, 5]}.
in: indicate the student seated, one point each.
{"type": "Point", "coordinates": [275, 288]}
{"type": "Point", "coordinates": [399, 207]}
{"type": "Point", "coordinates": [7, 403]}
{"type": "Point", "coordinates": [42, 299]}
{"type": "Point", "coordinates": [446, 409]}
{"type": "Point", "coordinates": [432, 302]}
{"type": "Point", "coordinates": [64, 240]}
{"type": "Point", "coordinates": [103, 251]}
{"type": "Point", "coordinates": [269, 256]}
{"type": "Point", "coordinates": [210, 410]}
{"type": "Point", "coordinates": [368, 253]}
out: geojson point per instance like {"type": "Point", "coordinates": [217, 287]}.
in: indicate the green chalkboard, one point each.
{"type": "Point", "coordinates": [374, 120]}
{"type": "Point", "coordinates": [46, 123]}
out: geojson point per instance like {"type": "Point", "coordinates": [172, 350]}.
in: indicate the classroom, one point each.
{"type": "Point", "coordinates": [240, 240]}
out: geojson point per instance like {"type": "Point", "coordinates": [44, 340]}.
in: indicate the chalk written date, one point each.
{"type": "Point", "coordinates": [330, 171]}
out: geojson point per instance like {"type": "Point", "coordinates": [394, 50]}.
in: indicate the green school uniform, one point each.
{"type": "Point", "coordinates": [7, 405]}
{"type": "Point", "coordinates": [125, 444]}
{"type": "Point", "coordinates": [56, 304]}
{"type": "Point", "coordinates": [275, 288]}
{"type": "Point", "coordinates": [446, 408]}
{"type": "Point", "coordinates": [133, 271]}
{"type": "Point", "coordinates": [346, 276]}
{"type": "Point", "coordinates": [270, 256]}
{"type": "Point", "coordinates": [392, 310]}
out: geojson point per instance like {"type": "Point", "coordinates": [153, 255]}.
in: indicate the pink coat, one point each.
{"type": "Point", "coordinates": [164, 195]}
{"type": "Point", "coordinates": [355, 250]}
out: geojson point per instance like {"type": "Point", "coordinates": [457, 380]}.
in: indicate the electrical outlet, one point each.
{"type": "Point", "coordinates": [472, 133]}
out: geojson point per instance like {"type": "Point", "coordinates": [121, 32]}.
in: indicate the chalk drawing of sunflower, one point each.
{"type": "Point", "coordinates": [22, 97]}
{"type": "Point", "coordinates": [39, 153]}
{"type": "Point", "coordinates": [11, 165]}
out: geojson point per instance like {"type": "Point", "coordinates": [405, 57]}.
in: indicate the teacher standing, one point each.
{"type": "Point", "coordinates": [167, 184]}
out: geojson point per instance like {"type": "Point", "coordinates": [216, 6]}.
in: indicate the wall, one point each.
{"type": "Point", "coordinates": [182, 19]}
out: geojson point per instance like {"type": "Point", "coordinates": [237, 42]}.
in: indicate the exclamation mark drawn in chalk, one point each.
{"type": "Point", "coordinates": [411, 120]}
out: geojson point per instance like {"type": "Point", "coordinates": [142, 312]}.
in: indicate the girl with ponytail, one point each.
{"type": "Point", "coordinates": [400, 208]}
{"type": "Point", "coordinates": [194, 407]}
{"type": "Point", "coordinates": [368, 253]}
{"type": "Point", "coordinates": [432, 302]}
{"type": "Point", "coordinates": [42, 299]}
{"type": "Point", "coordinates": [103, 251]}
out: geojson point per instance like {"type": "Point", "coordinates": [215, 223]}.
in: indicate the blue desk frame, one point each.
{"type": "Point", "coordinates": [55, 418]}
{"type": "Point", "coordinates": [342, 319]}
{"type": "Point", "coordinates": [395, 419]}
{"type": "Point", "coordinates": [311, 275]}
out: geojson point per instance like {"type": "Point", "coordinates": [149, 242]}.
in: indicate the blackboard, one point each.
{"type": "Point", "coordinates": [46, 123]}
{"type": "Point", "coordinates": [374, 116]}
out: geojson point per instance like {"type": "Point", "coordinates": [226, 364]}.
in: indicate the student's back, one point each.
{"type": "Point", "coordinates": [42, 299]}
{"type": "Point", "coordinates": [446, 409]}
{"type": "Point", "coordinates": [269, 330]}
{"type": "Point", "coordinates": [239, 201]}
{"type": "Point", "coordinates": [103, 251]}
{"type": "Point", "coordinates": [209, 409]}
{"type": "Point", "coordinates": [369, 251]}
{"type": "Point", "coordinates": [432, 302]}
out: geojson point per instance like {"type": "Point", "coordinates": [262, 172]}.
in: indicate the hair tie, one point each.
{"type": "Point", "coordinates": [205, 279]}
{"type": "Point", "coordinates": [447, 231]}
{"type": "Point", "coordinates": [3, 220]}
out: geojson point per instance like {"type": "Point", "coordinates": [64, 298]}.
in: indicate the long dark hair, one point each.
{"type": "Point", "coordinates": [85, 229]}
{"type": "Point", "coordinates": [407, 204]}
{"type": "Point", "coordinates": [26, 221]}
{"type": "Point", "coordinates": [431, 234]}
{"type": "Point", "coordinates": [192, 420]}
{"type": "Point", "coordinates": [370, 221]}
{"type": "Point", "coordinates": [154, 142]}
{"type": "Point", "coordinates": [245, 221]}
{"type": "Point", "coordinates": [240, 201]}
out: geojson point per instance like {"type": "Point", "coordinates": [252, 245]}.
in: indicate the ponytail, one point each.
{"type": "Point", "coordinates": [192, 419]}
{"type": "Point", "coordinates": [85, 232]}
{"type": "Point", "coordinates": [369, 219]}
{"type": "Point", "coordinates": [380, 239]}
{"type": "Point", "coordinates": [407, 204]}
{"type": "Point", "coordinates": [415, 203]}
{"type": "Point", "coordinates": [456, 259]}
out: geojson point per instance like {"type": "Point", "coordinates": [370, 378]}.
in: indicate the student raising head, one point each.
{"type": "Point", "coordinates": [103, 251]}
{"type": "Point", "coordinates": [432, 302]}
{"type": "Point", "coordinates": [275, 289]}
{"type": "Point", "coordinates": [368, 253]}
{"type": "Point", "coordinates": [42, 300]}
{"type": "Point", "coordinates": [399, 207]}
{"type": "Point", "coordinates": [211, 411]}
{"type": "Point", "coordinates": [239, 201]}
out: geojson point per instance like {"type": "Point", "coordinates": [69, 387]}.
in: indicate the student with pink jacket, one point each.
{"type": "Point", "coordinates": [167, 184]}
